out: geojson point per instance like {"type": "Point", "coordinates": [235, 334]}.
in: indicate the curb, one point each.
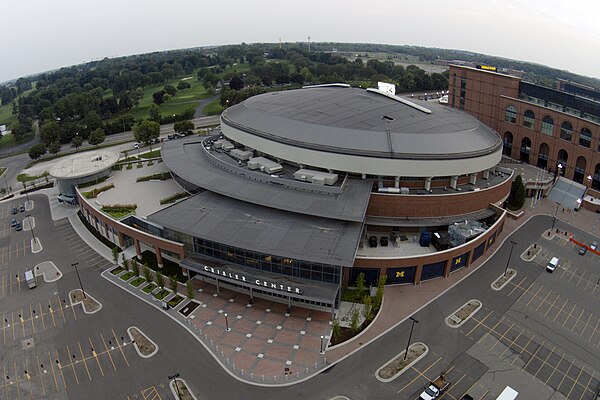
{"type": "Point", "coordinates": [135, 344]}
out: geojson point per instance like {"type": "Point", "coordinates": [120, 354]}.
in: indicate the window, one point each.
{"type": "Point", "coordinates": [566, 131]}
{"type": "Point", "coordinates": [510, 115]}
{"type": "Point", "coordinates": [585, 137]}
{"type": "Point", "coordinates": [529, 119]}
{"type": "Point", "coordinates": [547, 125]}
{"type": "Point", "coordinates": [463, 92]}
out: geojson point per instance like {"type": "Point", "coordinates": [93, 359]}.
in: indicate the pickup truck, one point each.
{"type": "Point", "coordinates": [435, 388]}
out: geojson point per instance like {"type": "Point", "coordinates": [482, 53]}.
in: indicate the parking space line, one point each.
{"type": "Point", "coordinates": [419, 374]}
{"type": "Point", "coordinates": [552, 306]}
{"type": "Point", "coordinates": [534, 355]}
{"type": "Point", "coordinates": [490, 330]}
{"type": "Point", "coordinates": [6, 384]}
{"type": "Point", "coordinates": [72, 364]}
{"type": "Point", "coordinates": [453, 386]}
{"type": "Point", "coordinates": [22, 320]}
{"type": "Point", "coordinates": [566, 374]}
{"type": "Point", "coordinates": [522, 349]}
{"type": "Point", "coordinates": [17, 381]}
{"type": "Point", "coordinates": [588, 384]}
{"type": "Point", "coordinates": [119, 346]}
{"type": "Point", "coordinates": [560, 311]}
{"type": "Point", "coordinates": [108, 352]}
{"type": "Point", "coordinates": [61, 308]}
{"type": "Point", "coordinates": [534, 296]}
{"type": "Point", "coordinates": [28, 377]}
{"type": "Point", "coordinates": [575, 382]}
{"type": "Point", "coordinates": [502, 337]}
{"type": "Point", "coordinates": [512, 343]}
{"type": "Point", "coordinates": [586, 324]}
{"type": "Point", "coordinates": [543, 301]}
{"type": "Point", "coordinates": [51, 313]}
{"type": "Point", "coordinates": [579, 320]}
{"type": "Point", "coordinates": [31, 316]}
{"type": "Point", "coordinates": [84, 361]}
{"type": "Point", "coordinates": [594, 331]}
{"type": "Point", "coordinates": [518, 285]}
{"type": "Point", "coordinates": [569, 316]}
{"type": "Point", "coordinates": [479, 322]}
{"type": "Point", "coordinates": [42, 317]}
{"type": "Point", "coordinates": [555, 367]}
{"type": "Point", "coordinates": [60, 368]}
{"type": "Point", "coordinates": [39, 367]}
{"type": "Point", "coordinates": [12, 318]}
{"type": "Point", "coordinates": [95, 355]}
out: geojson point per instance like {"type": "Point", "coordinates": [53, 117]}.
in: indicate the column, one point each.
{"type": "Point", "coordinates": [121, 239]}
{"type": "Point", "coordinates": [138, 250]}
{"type": "Point", "coordinates": [453, 181]}
{"type": "Point", "coordinates": [418, 272]}
{"type": "Point", "coordinates": [447, 267]}
{"type": "Point", "coordinates": [397, 182]}
{"type": "Point", "coordinates": [486, 174]}
{"type": "Point", "coordinates": [158, 256]}
{"type": "Point", "coordinates": [428, 184]}
{"type": "Point", "coordinates": [473, 179]}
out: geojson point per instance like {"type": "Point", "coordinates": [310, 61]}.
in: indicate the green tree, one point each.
{"type": "Point", "coordinates": [189, 287]}
{"type": "Point", "coordinates": [182, 85]}
{"type": "Point", "coordinates": [37, 150]}
{"type": "Point", "coordinates": [96, 137]}
{"type": "Point", "coordinates": [360, 287]}
{"type": "Point", "coordinates": [147, 273]}
{"type": "Point", "coordinates": [159, 97]}
{"type": "Point", "coordinates": [77, 141]}
{"type": "Point", "coordinates": [516, 199]}
{"type": "Point", "coordinates": [54, 147]}
{"type": "Point", "coordinates": [355, 322]}
{"type": "Point", "coordinates": [336, 331]}
{"type": "Point", "coordinates": [115, 255]}
{"type": "Point", "coordinates": [171, 91]}
{"type": "Point", "coordinates": [159, 279]}
{"type": "Point", "coordinates": [183, 127]}
{"type": "Point", "coordinates": [379, 293]}
{"type": "Point", "coordinates": [173, 283]}
{"type": "Point", "coordinates": [135, 267]}
{"type": "Point", "coordinates": [368, 310]}
{"type": "Point", "coordinates": [155, 113]}
{"type": "Point", "coordinates": [50, 133]}
{"type": "Point", "coordinates": [124, 262]}
{"type": "Point", "coordinates": [146, 131]}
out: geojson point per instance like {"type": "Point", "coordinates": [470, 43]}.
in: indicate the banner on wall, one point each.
{"type": "Point", "coordinates": [400, 275]}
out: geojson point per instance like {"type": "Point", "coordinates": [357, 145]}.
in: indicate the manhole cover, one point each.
{"type": "Point", "coordinates": [27, 344]}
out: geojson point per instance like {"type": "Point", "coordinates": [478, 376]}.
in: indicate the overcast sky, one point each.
{"type": "Point", "coordinates": [39, 35]}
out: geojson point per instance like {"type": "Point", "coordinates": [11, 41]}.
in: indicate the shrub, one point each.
{"type": "Point", "coordinates": [147, 273]}
{"type": "Point", "coordinates": [163, 176]}
{"type": "Point", "coordinates": [174, 198]}
{"type": "Point", "coordinates": [173, 283]}
{"type": "Point", "coordinates": [336, 333]}
{"type": "Point", "coordinates": [160, 280]}
{"type": "Point", "coordinates": [92, 194]}
{"type": "Point", "coordinates": [190, 289]}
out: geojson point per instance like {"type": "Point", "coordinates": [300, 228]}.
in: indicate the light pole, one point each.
{"type": "Point", "coordinates": [226, 323]}
{"type": "Point", "coordinates": [28, 216]}
{"type": "Point", "coordinates": [554, 216]}
{"type": "Point", "coordinates": [322, 340]}
{"type": "Point", "coordinates": [174, 379]}
{"type": "Point", "coordinates": [78, 278]}
{"type": "Point", "coordinates": [414, 321]}
{"type": "Point", "coordinates": [27, 196]}
{"type": "Point", "coordinates": [512, 245]}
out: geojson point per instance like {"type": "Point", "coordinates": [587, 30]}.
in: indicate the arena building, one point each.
{"type": "Point", "coordinates": [554, 129]}
{"type": "Point", "coordinates": [302, 190]}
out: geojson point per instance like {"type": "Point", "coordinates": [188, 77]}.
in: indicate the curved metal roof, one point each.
{"type": "Point", "coordinates": [359, 122]}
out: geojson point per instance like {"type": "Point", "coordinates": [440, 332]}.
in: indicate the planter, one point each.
{"type": "Point", "coordinates": [503, 279]}
{"type": "Point", "coordinates": [145, 347]}
{"type": "Point", "coordinates": [462, 315]}
{"type": "Point", "coordinates": [137, 282]}
{"type": "Point", "coordinates": [149, 288]}
{"type": "Point", "coordinates": [397, 365]}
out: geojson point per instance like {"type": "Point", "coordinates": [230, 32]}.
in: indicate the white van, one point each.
{"type": "Point", "coordinates": [30, 279]}
{"type": "Point", "coordinates": [552, 264]}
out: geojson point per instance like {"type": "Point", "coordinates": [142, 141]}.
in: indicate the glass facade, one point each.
{"type": "Point", "coordinates": [267, 262]}
{"type": "Point", "coordinates": [510, 114]}
{"type": "Point", "coordinates": [585, 138]}
{"type": "Point", "coordinates": [566, 131]}
{"type": "Point", "coordinates": [547, 125]}
{"type": "Point", "coordinates": [529, 119]}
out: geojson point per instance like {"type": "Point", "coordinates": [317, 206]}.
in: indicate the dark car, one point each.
{"type": "Point", "coordinates": [14, 210]}
{"type": "Point", "coordinates": [22, 208]}
{"type": "Point", "coordinates": [582, 250]}
{"type": "Point", "coordinates": [13, 223]}
{"type": "Point", "coordinates": [18, 226]}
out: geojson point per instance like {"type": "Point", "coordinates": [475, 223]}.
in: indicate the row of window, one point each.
{"type": "Point", "coordinates": [269, 263]}
{"type": "Point", "coordinates": [547, 126]}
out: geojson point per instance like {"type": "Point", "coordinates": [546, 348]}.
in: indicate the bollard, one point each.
{"type": "Point", "coordinates": [251, 375]}
{"type": "Point", "coordinates": [263, 378]}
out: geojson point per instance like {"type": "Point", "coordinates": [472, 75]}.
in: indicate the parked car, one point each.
{"type": "Point", "coordinates": [582, 250]}
{"type": "Point", "coordinates": [18, 226]}
{"type": "Point", "coordinates": [136, 145]}
{"type": "Point", "coordinates": [13, 223]}
{"type": "Point", "coordinates": [22, 208]}
{"type": "Point", "coordinates": [14, 210]}
{"type": "Point", "coordinates": [594, 245]}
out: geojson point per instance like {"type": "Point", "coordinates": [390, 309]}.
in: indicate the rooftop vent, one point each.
{"type": "Point", "coordinates": [387, 118]}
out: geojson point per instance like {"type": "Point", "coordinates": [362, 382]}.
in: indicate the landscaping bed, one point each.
{"type": "Point", "coordinates": [189, 308]}
{"type": "Point", "coordinates": [127, 276]}
{"type": "Point", "coordinates": [149, 288]}
{"type": "Point", "coordinates": [174, 198]}
{"type": "Point", "coordinates": [169, 268]}
{"type": "Point", "coordinates": [503, 279]}
{"type": "Point", "coordinates": [162, 293]}
{"type": "Point", "coordinates": [174, 302]}
{"type": "Point", "coordinates": [182, 390]}
{"type": "Point", "coordinates": [144, 345]}
{"type": "Point", "coordinates": [117, 271]}
{"type": "Point", "coordinates": [92, 194]}
{"type": "Point", "coordinates": [137, 282]}
{"type": "Point", "coordinates": [163, 176]}
{"type": "Point", "coordinates": [465, 312]}
{"type": "Point", "coordinates": [393, 368]}
{"type": "Point", "coordinates": [89, 304]}
{"type": "Point", "coordinates": [119, 211]}
{"type": "Point", "coordinates": [151, 154]}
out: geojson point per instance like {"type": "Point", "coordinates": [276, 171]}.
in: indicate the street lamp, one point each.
{"type": "Point", "coordinates": [78, 278]}
{"type": "Point", "coordinates": [414, 321]}
{"type": "Point", "coordinates": [554, 216]}
{"type": "Point", "coordinates": [322, 340]}
{"type": "Point", "coordinates": [28, 216]}
{"type": "Point", "coordinates": [512, 245]}
{"type": "Point", "coordinates": [226, 323]}
{"type": "Point", "coordinates": [174, 378]}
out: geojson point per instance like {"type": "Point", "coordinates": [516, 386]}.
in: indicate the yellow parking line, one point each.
{"type": "Point", "coordinates": [579, 320]}
{"type": "Point", "coordinates": [119, 346]}
{"type": "Point", "coordinates": [108, 352]}
{"type": "Point", "coordinates": [588, 384]}
{"type": "Point", "coordinates": [61, 309]}
{"type": "Point", "coordinates": [565, 375]}
{"type": "Point", "coordinates": [22, 320]}
{"type": "Point", "coordinates": [569, 316]}
{"type": "Point", "coordinates": [555, 367]}
{"type": "Point", "coordinates": [560, 311]}
{"type": "Point", "coordinates": [12, 318]}
{"type": "Point", "coordinates": [51, 313]}
{"type": "Point", "coordinates": [95, 355]}
{"type": "Point", "coordinates": [534, 354]}
{"type": "Point", "coordinates": [501, 337]}
{"type": "Point", "coordinates": [511, 343]}
{"type": "Point", "coordinates": [84, 362]}
{"type": "Point", "coordinates": [39, 366]}
{"type": "Point", "coordinates": [31, 316]}
{"type": "Point", "coordinates": [419, 374]}
{"type": "Point", "coordinates": [6, 385]}
{"type": "Point", "coordinates": [522, 349]}
{"type": "Point", "coordinates": [17, 381]}
{"type": "Point", "coordinates": [59, 366]}
{"type": "Point", "coordinates": [518, 285]}
{"type": "Point", "coordinates": [575, 382]}
{"type": "Point", "coordinates": [534, 296]}
{"type": "Point", "coordinates": [42, 317]}
{"type": "Point", "coordinates": [72, 364]}
{"type": "Point", "coordinates": [594, 331]}
{"type": "Point", "coordinates": [28, 377]}
{"type": "Point", "coordinates": [552, 306]}
{"type": "Point", "coordinates": [479, 322]}
{"type": "Point", "coordinates": [543, 301]}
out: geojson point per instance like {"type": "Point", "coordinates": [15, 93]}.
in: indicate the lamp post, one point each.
{"type": "Point", "coordinates": [512, 245]}
{"type": "Point", "coordinates": [28, 216]}
{"type": "Point", "coordinates": [322, 340]}
{"type": "Point", "coordinates": [27, 196]}
{"type": "Point", "coordinates": [78, 278]}
{"type": "Point", "coordinates": [414, 321]}
{"type": "Point", "coordinates": [226, 323]}
{"type": "Point", "coordinates": [174, 379]}
{"type": "Point", "coordinates": [554, 216]}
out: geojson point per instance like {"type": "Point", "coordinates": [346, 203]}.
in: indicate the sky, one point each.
{"type": "Point", "coordinates": [40, 35]}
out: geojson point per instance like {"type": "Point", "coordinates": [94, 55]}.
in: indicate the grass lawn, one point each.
{"type": "Point", "coordinates": [161, 294]}
{"type": "Point", "coordinates": [117, 270]}
{"type": "Point", "coordinates": [137, 281]}
{"type": "Point", "coordinates": [175, 301]}
{"type": "Point", "coordinates": [6, 115]}
{"type": "Point", "coordinates": [27, 178]}
{"type": "Point", "coordinates": [127, 276]}
{"type": "Point", "coordinates": [7, 140]}
{"type": "Point", "coordinates": [119, 214]}
{"type": "Point", "coordinates": [213, 108]}
{"type": "Point", "coordinates": [149, 288]}
{"type": "Point", "coordinates": [151, 154]}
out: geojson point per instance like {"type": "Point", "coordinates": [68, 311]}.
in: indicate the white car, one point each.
{"type": "Point", "coordinates": [594, 246]}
